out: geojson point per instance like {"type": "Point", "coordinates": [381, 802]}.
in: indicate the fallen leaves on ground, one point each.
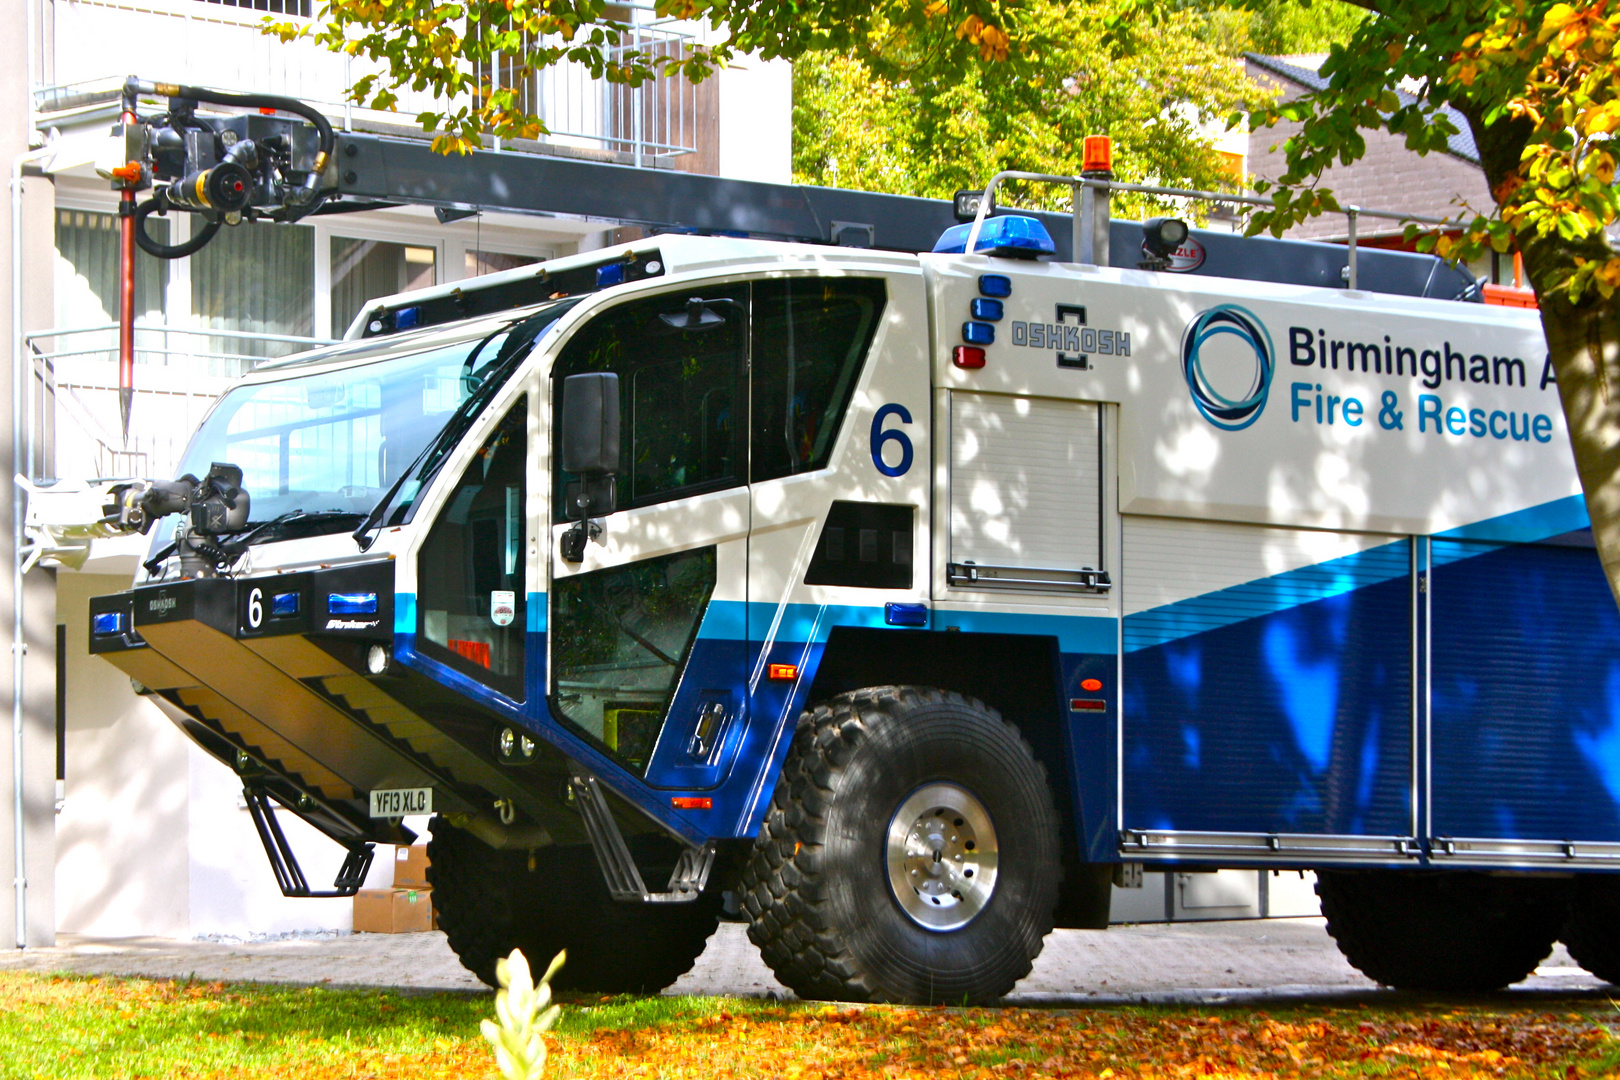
{"type": "Point", "coordinates": [71, 1026]}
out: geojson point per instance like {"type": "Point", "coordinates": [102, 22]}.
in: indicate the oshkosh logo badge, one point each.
{"type": "Point", "coordinates": [161, 604]}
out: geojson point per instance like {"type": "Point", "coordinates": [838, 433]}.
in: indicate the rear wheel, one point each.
{"type": "Point", "coordinates": [910, 853]}
{"type": "Point", "coordinates": [1441, 930]}
{"type": "Point", "coordinates": [489, 902]}
{"type": "Point", "coordinates": [1592, 934]}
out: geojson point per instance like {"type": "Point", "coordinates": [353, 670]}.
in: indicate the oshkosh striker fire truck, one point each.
{"type": "Point", "coordinates": [902, 602]}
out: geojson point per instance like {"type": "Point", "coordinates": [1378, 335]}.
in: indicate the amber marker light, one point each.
{"type": "Point", "coordinates": [1091, 685]}
{"type": "Point", "coordinates": [692, 802]}
{"type": "Point", "coordinates": [1097, 154]}
{"type": "Point", "coordinates": [782, 672]}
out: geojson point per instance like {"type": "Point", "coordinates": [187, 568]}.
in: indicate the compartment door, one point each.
{"type": "Point", "coordinates": [1026, 499]}
{"type": "Point", "coordinates": [1524, 702]}
{"type": "Point", "coordinates": [1269, 691]}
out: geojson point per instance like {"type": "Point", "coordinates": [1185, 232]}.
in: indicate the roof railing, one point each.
{"type": "Point", "coordinates": [1091, 212]}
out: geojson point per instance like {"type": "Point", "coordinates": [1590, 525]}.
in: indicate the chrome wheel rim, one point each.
{"type": "Point", "coordinates": [941, 856]}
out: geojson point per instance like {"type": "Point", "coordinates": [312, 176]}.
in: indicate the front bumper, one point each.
{"type": "Point", "coordinates": [270, 675]}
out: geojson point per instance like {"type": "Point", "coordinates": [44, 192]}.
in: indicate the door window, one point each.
{"type": "Point", "coordinates": [471, 591]}
{"type": "Point", "coordinates": [680, 393]}
{"type": "Point", "coordinates": [619, 641]}
{"type": "Point", "coordinates": [810, 336]}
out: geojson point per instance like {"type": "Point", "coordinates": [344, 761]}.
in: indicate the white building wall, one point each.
{"type": "Point", "coordinates": [122, 866]}
{"type": "Point", "coordinates": [756, 121]}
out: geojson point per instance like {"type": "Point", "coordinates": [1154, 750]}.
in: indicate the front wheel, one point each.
{"type": "Point", "coordinates": [910, 853]}
{"type": "Point", "coordinates": [490, 902]}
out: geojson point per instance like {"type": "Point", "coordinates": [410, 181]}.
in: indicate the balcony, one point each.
{"type": "Point", "coordinates": [221, 45]}
{"type": "Point", "coordinates": [179, 372]}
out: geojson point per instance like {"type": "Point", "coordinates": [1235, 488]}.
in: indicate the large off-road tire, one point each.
{"type": "Point", "coordinates": [910, 853]}
{"type": "Point", "coordinates": [489, 902]}
{"type": "Point", "coordinates": [1592, 934]}
{"type": "Point", "coordinates": [1441, 930]}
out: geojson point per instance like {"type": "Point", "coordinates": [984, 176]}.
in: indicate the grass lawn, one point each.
{"type": "Point", "coordinates": [71, 1026]}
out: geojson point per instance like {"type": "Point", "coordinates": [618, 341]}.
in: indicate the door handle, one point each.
{"type": "Point", "coordinates": [711, 717]}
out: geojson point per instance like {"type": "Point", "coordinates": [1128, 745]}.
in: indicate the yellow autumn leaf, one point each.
{"type": "Point", "coordinates": [1557, 18]}
{"type": "Point", "coordinates": [993, 43]}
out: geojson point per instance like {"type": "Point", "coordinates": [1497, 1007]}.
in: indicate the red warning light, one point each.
{"type": "Point", "coordinates": [782, 672]}
{"type": "Point", "coordinates": [966, 356]}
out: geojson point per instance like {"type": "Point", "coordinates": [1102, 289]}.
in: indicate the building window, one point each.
{"type": "Point", "coordinates": [493, 262]}
{"type": "Point", "coordinates": [300, 8]}
{"type": "Point", "coordinates": [255, 279]}
{"type": "Point", "coordinates": [87, 276]}
{"type": "Point", "coordinates": [363, 270]}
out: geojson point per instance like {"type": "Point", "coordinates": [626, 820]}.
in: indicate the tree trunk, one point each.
{"type": "Point", "coordinates": [1583, 343]}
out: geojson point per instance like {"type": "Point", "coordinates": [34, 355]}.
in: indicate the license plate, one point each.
{"type": "Point", "coordinates": [397, 802]}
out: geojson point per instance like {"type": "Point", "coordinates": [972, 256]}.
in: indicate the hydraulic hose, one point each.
{"type": "Point", "coordinates": [199, 238]}
{"type": "Point", "coordinates": [323, 126]}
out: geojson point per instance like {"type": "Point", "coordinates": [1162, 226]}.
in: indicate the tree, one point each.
{"type": "Point", "coordinates": [930, 127]}
{"type": "Point", "coordinates": [477, 54]}
{"type": "Point", "coordinates": [1536, 82]}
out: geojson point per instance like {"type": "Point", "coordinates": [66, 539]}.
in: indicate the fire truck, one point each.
{"type": "Point", "coordinates": [903, 603]}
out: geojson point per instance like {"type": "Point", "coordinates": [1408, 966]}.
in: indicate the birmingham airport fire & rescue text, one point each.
{"type": "Point", "coordinates": [1434, 366]}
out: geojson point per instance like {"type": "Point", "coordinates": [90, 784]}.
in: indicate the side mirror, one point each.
{"type": "Point", "coordinates": [590, 424]}
{"type": "Point", "coordinates": [588, 448]}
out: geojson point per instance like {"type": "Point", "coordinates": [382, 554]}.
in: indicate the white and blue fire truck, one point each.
{"type": "Point", "coordinates": [899, 604]}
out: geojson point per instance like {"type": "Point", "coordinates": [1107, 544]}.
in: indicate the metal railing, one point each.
{"type": "Point", "coordinates": [1091, 212]}
{"type": "Point", "coordinates": [222, 46]}
{"type": "Point", "coordinates": [179, 373]}
{"type": "Point", "coordinates": [658, 119]}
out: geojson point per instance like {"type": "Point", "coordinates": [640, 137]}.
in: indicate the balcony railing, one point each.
{"type": "Point", "coordinates": [220, 44]}
{"type": "Point", "coordinates": [179, 373]}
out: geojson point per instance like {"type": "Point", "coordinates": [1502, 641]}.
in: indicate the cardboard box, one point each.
{"type": "Point", "coordinates": [393, 911]}
{"type": "Point", "coordinates": [410, 867]}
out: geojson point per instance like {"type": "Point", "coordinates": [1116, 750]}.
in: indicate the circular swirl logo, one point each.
{"type": "Point", "coordinates": [1227, 413]}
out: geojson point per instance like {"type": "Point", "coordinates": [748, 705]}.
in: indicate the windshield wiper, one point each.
{"type": "Point", "coordinates": [256, 530]}
{"type": "Point", "coordinates": [255, 533]}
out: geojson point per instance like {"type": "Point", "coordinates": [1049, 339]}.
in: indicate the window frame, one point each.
{"type": "Point", "coordinates": [744, 431]}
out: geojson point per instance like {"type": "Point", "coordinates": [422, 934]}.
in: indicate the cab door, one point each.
{"type": "Point", "coordinates": [646, 631]}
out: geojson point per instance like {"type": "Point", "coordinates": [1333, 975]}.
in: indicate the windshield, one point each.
{"type": "Point", "coordinates": [324, 449]}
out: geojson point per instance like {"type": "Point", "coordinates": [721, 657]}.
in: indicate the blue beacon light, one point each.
{"type": "Point", "coordinates": [352, 603]}
{"type": "Point", "coordinates": [1011, 235]}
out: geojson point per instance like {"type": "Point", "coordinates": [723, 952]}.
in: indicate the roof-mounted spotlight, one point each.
{"type": "Point", "coordinates": [1161, 236]}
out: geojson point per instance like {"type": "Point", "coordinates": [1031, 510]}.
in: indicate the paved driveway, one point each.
{"type": "Point", "coordinates": [1210, 962]}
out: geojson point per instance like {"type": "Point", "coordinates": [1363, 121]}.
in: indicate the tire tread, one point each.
{"type": "Point", "coordinates": [784, 889]}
